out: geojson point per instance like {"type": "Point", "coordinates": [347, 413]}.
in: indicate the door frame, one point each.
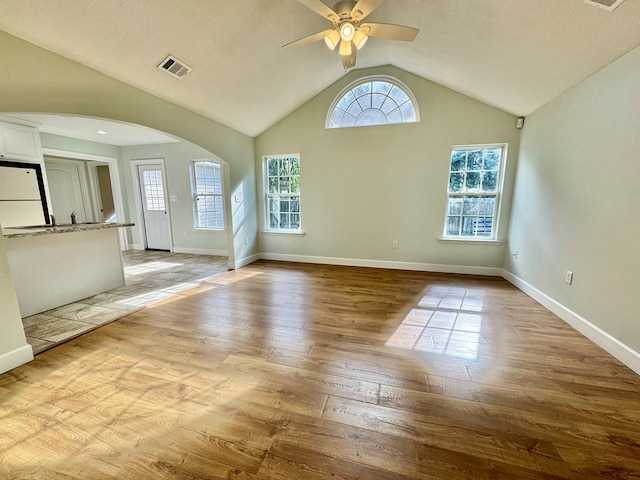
{"type": "Point", "coordinates": [85, 186]}
{"type": "Point", "coordinates": [116, 189]}
{"type": "Point", "coordinates": [140, 228]}
{"type": "Point", "coordinates": [94, 187]}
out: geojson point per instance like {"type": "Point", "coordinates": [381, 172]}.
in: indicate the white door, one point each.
{"type": "Point", "coordinates": [65, 188]}
{"type": "Point", "coordinates": [154, 207]}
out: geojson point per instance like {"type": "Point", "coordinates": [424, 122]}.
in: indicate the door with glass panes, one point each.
{"type": "Point", "coordinates": [154, 207]}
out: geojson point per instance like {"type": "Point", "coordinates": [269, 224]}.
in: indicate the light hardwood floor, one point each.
{"type": "Point", "coordinates": [291, 371]}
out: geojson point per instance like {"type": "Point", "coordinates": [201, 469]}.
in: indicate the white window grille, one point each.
{"type": "Point", "coordinates": [282, 193]}
{"type": "Point", "coordinates": [373, 101]}
{"type": "Point", "coordinates": [475, 182]}
{"type": "Point", "coordinates": [208, 195]}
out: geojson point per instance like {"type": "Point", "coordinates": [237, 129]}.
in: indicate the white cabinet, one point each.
{"type": "Point", "coordinates": [21, 199]}
{"type": "Point", "coordinates": [19, 142]}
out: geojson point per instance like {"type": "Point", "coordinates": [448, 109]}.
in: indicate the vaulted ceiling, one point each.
{"type": "Point", "coordinates": [513, 54]}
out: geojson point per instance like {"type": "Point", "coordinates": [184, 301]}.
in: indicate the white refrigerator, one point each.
{"type": "Point", "coordinates": [20, 201]}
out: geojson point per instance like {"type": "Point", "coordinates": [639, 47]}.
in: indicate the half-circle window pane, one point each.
{"type": "Point", "coordinates": [408, 112]}
{"type": "Point", "coordinates": [365, 101]}
{"type": "Point", "coordinates": [371, 117]}
{"type": "Point", "coordinates": [373, 101]}
{"type": "Point", "coordinates": [362, 89]}
{"type": "Point", "coordinates": [394, 116]}
{"type": "Point", "coordinates": [354, 109]}
{"type": "Point", "coordinates": [348, 121]}
{"type": "Point", "coordinates": [382, 87]}
{"type": "Point", "coordinates": [388, 105]}
{"type": "Point", "coordinates": [345, 101]}
{"type": "Point", "coordinates": [377, 100]}
{"type": "Point", "coordinates": [398, 95]}
{"type": "Point", "coordinates": [336, 118]}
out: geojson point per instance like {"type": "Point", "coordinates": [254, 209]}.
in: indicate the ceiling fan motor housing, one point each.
{"type": "Point", "coordinates": [343, 8]}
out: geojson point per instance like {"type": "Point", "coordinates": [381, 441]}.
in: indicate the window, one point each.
{"type": "Point", "coordinates": [282, 187]}
{"type": "Point", "coordinates": [153, 190]}
{"type": "Point", "coordinates": [207, 195]}
{"type": "Point", "coordinates": [474, 190]}
{"type": "Point", "coordinates": [373, 101]}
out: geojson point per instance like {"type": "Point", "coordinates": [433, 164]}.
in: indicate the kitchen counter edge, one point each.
{"type": "Point", "coordinates": [16, 232]}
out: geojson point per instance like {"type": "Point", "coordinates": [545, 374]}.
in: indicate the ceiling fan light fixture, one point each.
{"type": "Point", "coordinates": [345, 49]}
{"type": "Point", "coordinates": [348, 34]}
{"type": "Point", "coordinates": [332, 39]}
{"type": "Point", "coordinates": [347, 31]}
{"type": "Point", "coordinates": [359, 39]}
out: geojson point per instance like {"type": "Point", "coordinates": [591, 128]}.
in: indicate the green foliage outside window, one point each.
{"type": "Point", "coordinates": [283, 193]}
{"type": "Point", "coordinates": [473, 191]}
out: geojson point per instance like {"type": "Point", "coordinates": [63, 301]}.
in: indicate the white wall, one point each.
{"type": "Point", "coordinates": [577, 203]}
{"type": "Point", "coordinates": [14, 349]}
{"type": "Point", "coordinates": [177, 160]}
{"type": "Point", "coordinates": [362, 188]}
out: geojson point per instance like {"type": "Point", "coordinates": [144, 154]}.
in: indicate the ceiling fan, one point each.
{"type": "Point", "coordinates": [348, 31]}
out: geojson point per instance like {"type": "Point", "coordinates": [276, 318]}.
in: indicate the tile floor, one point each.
{"type": "Point", "coordinates": [150, 276]}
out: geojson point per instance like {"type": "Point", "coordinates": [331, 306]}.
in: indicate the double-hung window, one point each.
{"type": "Point", "coordinates": [207, 195]}
{"type": "Point", "coordinates": [282, 193]}
{"type": "Point", "coordinates": [475, 181]}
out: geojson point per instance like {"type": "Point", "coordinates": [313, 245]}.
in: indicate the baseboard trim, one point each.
{"type": "Point", "coordinates": [246, 260]}
{"type": "Point", "coordinates": [609, 343]}
{"type": "Point", "coordinates": [202, 251]}
{"type": "Point", "coordinates": [358, 262]}
{"type": "Point", "coordinates": [15, 358]}
{"type": "Point", "coordinates": [136, 246]}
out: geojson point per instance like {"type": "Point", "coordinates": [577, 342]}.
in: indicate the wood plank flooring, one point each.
{"type": "Point", "coordinates": [294, 371]}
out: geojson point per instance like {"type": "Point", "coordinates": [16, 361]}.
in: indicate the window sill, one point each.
{"type": "Point", "coordinates": [469, 241]}
{"type": "Point", "coordinates": [283, 233]}
{"type": "Point", "coordinates": [201, 229]}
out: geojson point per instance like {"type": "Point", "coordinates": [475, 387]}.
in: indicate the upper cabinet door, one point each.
{"type": "Point", "coordinates": [19, 142]}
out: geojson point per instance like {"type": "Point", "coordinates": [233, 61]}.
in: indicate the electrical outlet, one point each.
{"type": "Point", "coordinates": [395, 244]}
{"type": "Point", "coordinates": [515, 254]}
{"type": "Point", "coordinates": [568, 278]}
{"type": "Point", "coordinates": [246, 241]}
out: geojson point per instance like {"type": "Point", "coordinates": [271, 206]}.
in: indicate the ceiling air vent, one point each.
{"type": "Point", "coordinates": [174, 67]}
{"type": "Point", "coordinates": [608, 5]}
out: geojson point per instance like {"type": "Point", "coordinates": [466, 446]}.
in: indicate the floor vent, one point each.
{"type": "Point", "coordinates": [174, 67]}
{"type": "Point", "coordinates": [609, 5]}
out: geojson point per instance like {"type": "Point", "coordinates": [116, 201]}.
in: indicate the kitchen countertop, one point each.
{"type": "Point", "coordinates": [36, 230]}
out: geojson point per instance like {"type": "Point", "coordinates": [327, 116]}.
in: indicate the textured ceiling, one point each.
{"type": "Point", "coordinates": [513, 54]}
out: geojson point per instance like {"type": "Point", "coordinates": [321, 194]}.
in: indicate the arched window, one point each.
{"type": "Point", "coordinates": [373, 101]}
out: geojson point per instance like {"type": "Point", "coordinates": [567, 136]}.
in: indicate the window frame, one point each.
{"type": "Point", "coordinates": [195, 195]}
{"type": "Point", "coordinates": [267, 195]}
{"type": "Point", "coordinates": [493, 238]}
{"type": "Point", "coordinates": [371, 78]}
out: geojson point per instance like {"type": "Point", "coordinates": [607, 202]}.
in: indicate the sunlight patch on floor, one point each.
{"type": "Point", "coordinates": [446, 321]}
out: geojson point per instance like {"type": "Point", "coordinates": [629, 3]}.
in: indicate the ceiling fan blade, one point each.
{"type": "Point", "coordinates": [363, 8]}
{"type": "Point", "coordinates": [349, 61]}
{"type": "Point", "coordinates": [321, 9]}
{"type": "Point", "coordinates": [389, 31]}
{"type": "Point", "coordinates": [307, 40]}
